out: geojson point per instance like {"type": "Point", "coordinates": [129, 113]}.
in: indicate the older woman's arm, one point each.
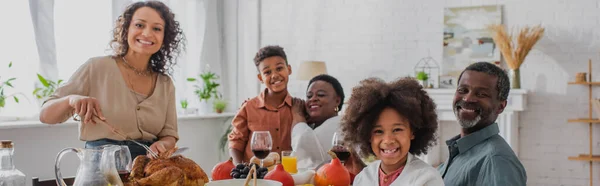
{"type": "Point", "coordinates": [307, 147]}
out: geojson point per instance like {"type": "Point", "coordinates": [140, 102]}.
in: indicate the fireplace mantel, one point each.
{"type": "Point", "coordinates": [508, 121]}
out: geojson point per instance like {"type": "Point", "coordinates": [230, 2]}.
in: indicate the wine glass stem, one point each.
{"type": "Point", "coordinates": [262, 162]}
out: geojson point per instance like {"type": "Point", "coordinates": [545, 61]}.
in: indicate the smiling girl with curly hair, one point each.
{"type": "Point", "coordinates": [396, 122]}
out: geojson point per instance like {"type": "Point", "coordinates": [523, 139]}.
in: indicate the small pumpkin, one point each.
{"type": "Point", "coordinates": [280, 175]}
{"type": "Point", "coordinates": [222, 170]}
{"type": "Point", "coordinates": [333, 173]}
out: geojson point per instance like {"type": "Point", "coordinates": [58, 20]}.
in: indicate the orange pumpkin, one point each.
{"type": "Point", "coordinates": [333, 173]}
{"type": "Point", "coordinates": [280, 175]}
{"type": "Point", "coordinates": [222, 171]}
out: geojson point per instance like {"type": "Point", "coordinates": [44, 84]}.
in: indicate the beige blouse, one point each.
{"type": "Point", "coordinates": [139, 117]}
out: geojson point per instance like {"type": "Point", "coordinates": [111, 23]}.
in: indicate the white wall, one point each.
{"type": "Point", "coordinates": [36, 148]}
{"type": "Point", "coordinates": [356, 38]}
{"type": "Point", "coordinates": [386, 38]}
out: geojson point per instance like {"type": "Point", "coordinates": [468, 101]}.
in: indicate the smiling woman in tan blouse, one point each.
{"type": "Point", "coordinates": [128, 95]}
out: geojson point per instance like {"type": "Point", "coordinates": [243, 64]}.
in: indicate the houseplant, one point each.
{"type": "Point", "coordinates": [208, 89]}
{"type": "Point", "coordinates": [515, 51]}
{"type": "Point", "coordinates": [184, 104]}
{"type": "Point", "coordinates": [219, 105]}
{"type": "Point", "coordinates": [4, 85]}
{"type": "Point", "coordinates": [423, 77]}
{"type": "Point", "coordinates": [48, 88]}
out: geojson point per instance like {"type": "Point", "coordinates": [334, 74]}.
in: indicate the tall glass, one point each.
{"type": "Point", "coordinates": [289, 162]}
{"type": "Point", "coordinates": [123, 162]}
{"type": "Point", "coordinates": [339, 147]}
{"type": "Point", "coordinates": [261, 145]}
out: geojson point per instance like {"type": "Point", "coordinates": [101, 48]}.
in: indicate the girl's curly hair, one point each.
{"type": "Point", "coordinates": [406, 96]}
{"type": "Point", "coordinates": [173, 43]}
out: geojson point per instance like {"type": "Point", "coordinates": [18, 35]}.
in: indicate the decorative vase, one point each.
{"type": "Point", "coordinates": [205, 107]}
{"type": "Point", "coordinates": [515, 78]}
{"type": "Point", "coordinates": [424, 83]}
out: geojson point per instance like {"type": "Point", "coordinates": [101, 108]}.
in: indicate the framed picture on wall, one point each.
{"type": "Point", "coordinates": [448, 81]}
{"type": "Point", "coordinates": [467, 38]}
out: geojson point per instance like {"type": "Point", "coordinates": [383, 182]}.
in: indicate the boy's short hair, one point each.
{"type": "Point", "coordinates": [406, 96]}
{"type": "Point", "coordinates": [269, 51]}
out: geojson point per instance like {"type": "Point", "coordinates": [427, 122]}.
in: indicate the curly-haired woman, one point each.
{"type": "Point", "coordinates": [131, 91]}
{"type": "Point", "coordinates": [396, 122]}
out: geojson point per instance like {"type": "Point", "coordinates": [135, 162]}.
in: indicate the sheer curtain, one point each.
{"type": "Point", "coordinates": [81, 33]}
{"type": "Point", "coordinates": [19, 47]}
{"type": "Point", "coordinates": [190, 15]}
{"type": "Point", "coordinates": [54, 37]}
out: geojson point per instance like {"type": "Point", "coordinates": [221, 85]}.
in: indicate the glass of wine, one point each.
{"type": "Point", "coordinates": [123, 162]}
{"type": "Point", "coordinates": [339, 147]}
{"type": "Point", "coordinates": [261, 145]}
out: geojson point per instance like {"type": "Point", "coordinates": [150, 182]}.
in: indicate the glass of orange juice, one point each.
{"type": "Point", "coordinates": [289, 162]}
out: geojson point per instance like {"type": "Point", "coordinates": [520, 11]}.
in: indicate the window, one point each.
{"type": "Point", "coordinates": [18, 45]}
{"type": "Point", "coordinates": [81, 33]}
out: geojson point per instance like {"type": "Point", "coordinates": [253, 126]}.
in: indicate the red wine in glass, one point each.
{"type": "Point", "coordinates": [341, 152]}
{"type": "Point", "coordinates": [261, 145]}
{"type": "Point", "coordinates": [261, 153]}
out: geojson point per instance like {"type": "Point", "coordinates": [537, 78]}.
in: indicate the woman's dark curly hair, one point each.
{"type": "Point", "coordinates": [173, 43]}
{"type": "Point", "coordinates": [337, 86]}
{"type": "Point", "coordinates": [406, 96]}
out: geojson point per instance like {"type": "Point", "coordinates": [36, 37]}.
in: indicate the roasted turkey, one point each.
{"type": "Point", "coordinates": [166, 170]}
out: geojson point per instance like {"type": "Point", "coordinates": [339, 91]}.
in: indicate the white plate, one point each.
{"type": "Point", "coordinates": [240, 182]}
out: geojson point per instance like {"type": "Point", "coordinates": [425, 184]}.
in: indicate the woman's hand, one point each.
{"type": "Point", "coordinates": [298, 111]}
{"type": "Point", "coordinates": [86, 108]}
{"type": "Point", "coordinates": [164, 144]}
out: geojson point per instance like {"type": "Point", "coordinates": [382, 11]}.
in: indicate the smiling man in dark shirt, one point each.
{"type": "Point", "coordinates": [479, 155]}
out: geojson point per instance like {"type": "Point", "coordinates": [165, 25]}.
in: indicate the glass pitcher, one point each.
{"type": "Point", "coordinates": [99, 166]}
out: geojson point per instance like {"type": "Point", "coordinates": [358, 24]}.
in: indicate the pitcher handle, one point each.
{"type": "Point", "coordinates": [59, 179]}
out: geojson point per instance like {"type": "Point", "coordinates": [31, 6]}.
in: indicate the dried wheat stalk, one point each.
{"type": "Point", "coordinates": [515, 53]}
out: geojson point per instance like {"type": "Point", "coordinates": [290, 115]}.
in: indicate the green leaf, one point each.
{"type": "Point", "coordinates": [11, 79]}
{"type": "Point", "coordinates": [16, 99]}
{"type": "Point", "coordinates": [223, 140]}
{"type": "Point", "coordinates": [43, 80]}
{"type": "Point", "coordinates": [59, 81]}
{"type": "Point", "coordinates": [10, 64]}
{"type": "Point", "coordinates": [36, 90]}
{"type": "Point", "coordinates": [191, 79]}
{"type": "Point", "coordinates": [8, 84]}
{"type": "Point", "coordinates": [422, 76]}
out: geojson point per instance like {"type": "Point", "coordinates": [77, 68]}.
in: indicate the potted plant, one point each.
{"type": "Point", "coordinates": [3, 86]}
{"type": "Point", "coordinates": [208, 90]}
{"type": "Point", "coordinates": [219, 105]}
{"type": "Point", "coordinates": [184, 107]}
{"type": "Point", "coordinates": [184, 103]}
{"type": "Point", "coordinates": [48, 88]}
{"type": "Point", "coordinates": [423, 77]}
